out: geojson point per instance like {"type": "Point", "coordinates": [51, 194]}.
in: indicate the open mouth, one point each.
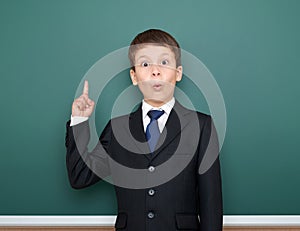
{"type": "Point", "coordinates": [157, 86]}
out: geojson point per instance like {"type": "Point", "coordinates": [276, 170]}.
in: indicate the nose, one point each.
{"type": "Point", "coordinates": [155, 71]}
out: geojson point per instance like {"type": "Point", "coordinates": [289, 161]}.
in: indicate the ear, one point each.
{"type": "Point", "coordinates": [133, 77]}
{"type": "Point", "coordinates": [178, 73]}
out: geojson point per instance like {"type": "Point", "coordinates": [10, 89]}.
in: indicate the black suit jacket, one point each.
{"type": "Point", "coordinates": [187, 201]}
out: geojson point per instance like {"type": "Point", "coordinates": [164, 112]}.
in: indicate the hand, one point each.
{"type": "Point", "coordinates": [83, 105]}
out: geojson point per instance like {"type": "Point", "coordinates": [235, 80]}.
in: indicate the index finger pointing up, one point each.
{"type": "Point", "coordinates": [86, 88]}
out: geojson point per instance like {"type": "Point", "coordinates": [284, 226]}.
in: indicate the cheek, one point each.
{"type": "Point", "coordinates": [143, 81]}
{"type": "Point", "coordinates": [141, 76]}
{"type": "Point", "coordinates": [171, 78]}
{"type": "Point", "coordinates": [144, 85]}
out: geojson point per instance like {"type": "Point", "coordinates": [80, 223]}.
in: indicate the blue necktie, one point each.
{"type": "Point", "coordinates": [152, 130]}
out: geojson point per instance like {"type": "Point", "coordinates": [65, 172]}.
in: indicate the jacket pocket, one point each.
{"type": "Point", "coordinates": [187, 221]}
{"type": "Point", "coordinates": [121, 221]}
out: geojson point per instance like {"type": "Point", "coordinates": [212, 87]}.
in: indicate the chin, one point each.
{"type": "Point", "coordinates": [157, 100]}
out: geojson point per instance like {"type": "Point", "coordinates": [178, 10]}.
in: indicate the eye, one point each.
{"type": "Point", "coordinates": [145, 64]}
{"type": "Point", "coordinates": [164, 62]}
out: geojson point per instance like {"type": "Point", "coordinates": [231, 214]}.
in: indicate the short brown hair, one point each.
{"type": "Point", "coordinates": [154, 36]}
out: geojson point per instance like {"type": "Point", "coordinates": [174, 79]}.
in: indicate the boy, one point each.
{"type": "Point", "coordinates": [189, 199]}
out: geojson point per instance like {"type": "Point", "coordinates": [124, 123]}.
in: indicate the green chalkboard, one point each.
{"type": "Point", "coordinates": [251, 48]}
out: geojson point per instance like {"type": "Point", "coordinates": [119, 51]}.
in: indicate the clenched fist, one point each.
{"type": "Point", "coordinates": [83, 105]}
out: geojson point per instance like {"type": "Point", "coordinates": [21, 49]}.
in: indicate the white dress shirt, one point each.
{"type": "Point", "coordinates": [161, 120]}
{"type": "Point", "coordinates": [146, 119]}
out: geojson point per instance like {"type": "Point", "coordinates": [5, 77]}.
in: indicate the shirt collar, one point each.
{"type": "Point", "coordinates": [167, 107]}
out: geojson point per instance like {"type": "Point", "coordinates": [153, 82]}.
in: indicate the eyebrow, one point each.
{"type": "Point", "coordinates": [145, 56]}
{"type": "Point", "coordinates": [141, 57]}
{"type": "Point", "coordinates": [163, 54]}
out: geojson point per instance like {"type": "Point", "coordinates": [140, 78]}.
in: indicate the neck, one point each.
{"type": "Point", "coordinates": [156, 103]}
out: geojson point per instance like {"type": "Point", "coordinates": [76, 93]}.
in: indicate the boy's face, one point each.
{"type": "Point", "coordinates": [156, 74]}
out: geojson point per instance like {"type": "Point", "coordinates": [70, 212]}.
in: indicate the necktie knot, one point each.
{"type": "Point", "coordinates": [155, 114]}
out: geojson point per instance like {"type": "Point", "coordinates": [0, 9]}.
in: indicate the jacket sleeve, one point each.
{"type": "Point", "coordinates": [86, 168]}
{"type": "Point", "coordinates": [209, 179]}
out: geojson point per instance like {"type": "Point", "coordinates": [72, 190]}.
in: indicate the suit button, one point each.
{"type": "Point", "coordinates": [150, 215]}
{"type": "Point", "coordinates": [151, 192]}
{"type": "Point", "coordinates": [151, 169]}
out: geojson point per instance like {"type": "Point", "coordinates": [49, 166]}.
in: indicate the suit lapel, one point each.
{"type": "Point", "coordinates": [176, 122]}
{"type": "Point", "coordinates": [136, 127]}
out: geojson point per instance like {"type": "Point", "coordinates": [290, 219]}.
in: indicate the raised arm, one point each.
{"type": "Point", "coordinates": [84, 167]}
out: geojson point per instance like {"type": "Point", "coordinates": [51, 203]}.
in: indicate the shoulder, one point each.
{"type": "Point", "coordinates": [114, 123]}
{"type": "Point", "coordinates": [202, 117]}
{"type": "Point", "coordinates": [124, 119]}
